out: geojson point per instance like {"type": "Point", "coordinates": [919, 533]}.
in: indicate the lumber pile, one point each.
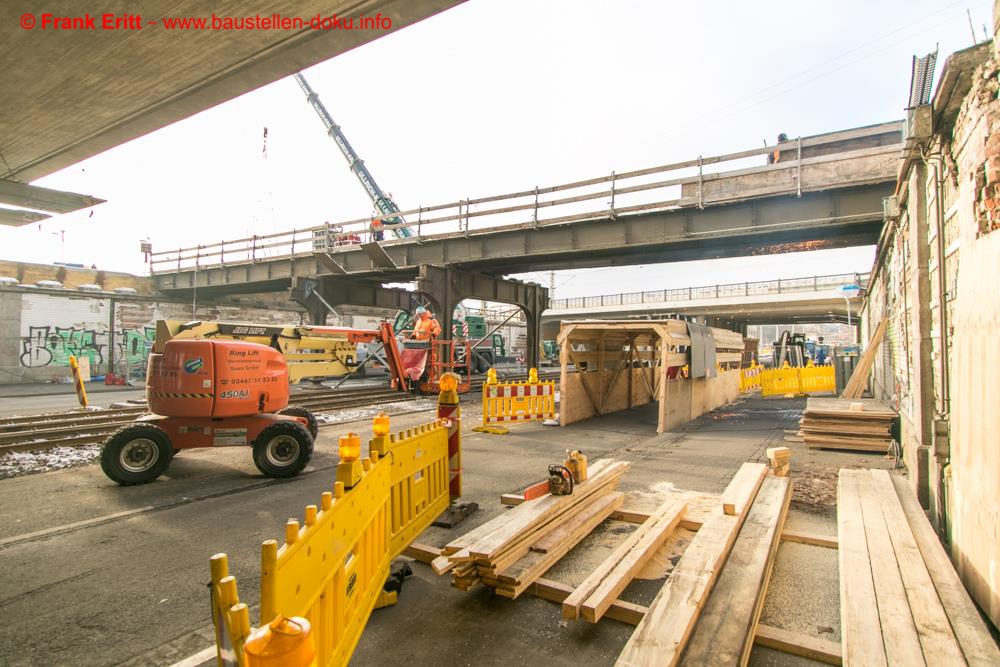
{"type": "Point", "coordinates": [594, 597]}
{"type": "Point", "coordinates": [663, 633]}
{"type": "Point", "coordinates": [901, 601]}
{"type": "Point", "coordinates": [727, 626]}
{"type": "Point", "coordinates": [836, 423]}
{"type": "Point", "coordinates": [511, 551]}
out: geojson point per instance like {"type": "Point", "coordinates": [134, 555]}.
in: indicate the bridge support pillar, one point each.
{"type": "Point", "coordinates": [321, 295]}
{"type": "Point", "coordinates": [446, 287]}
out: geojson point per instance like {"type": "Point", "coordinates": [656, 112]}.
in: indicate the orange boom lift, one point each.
{"type": "Point", "coordinates": [213, 393]}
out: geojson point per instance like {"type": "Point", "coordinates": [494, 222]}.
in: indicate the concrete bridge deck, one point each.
{"type": "Point", "coordinates": [826, 191]}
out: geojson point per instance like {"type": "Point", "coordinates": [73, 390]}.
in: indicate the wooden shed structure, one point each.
{"type": "Point", "coordinates": [608, 366]}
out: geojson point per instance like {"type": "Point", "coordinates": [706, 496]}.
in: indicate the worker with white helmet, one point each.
{"type": "Point", "coordinates": [427, 326]}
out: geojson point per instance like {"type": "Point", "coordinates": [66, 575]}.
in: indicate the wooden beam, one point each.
{"type": "Point", "coordinates": [661, 636]}
{"type": "Point", "coordinates": [862, 644]}
{"type": "Point", "coordinates": [583, 382]}
{"type": "Point", "coordinates": [937, 641]}
{"type": "Point", "coordinates": [899, 633]}
{"type": "Point", "coordinates": [809, 538]}
{"type": "Point", "coordinates": [620, 610]}
{"type": "Point", "coordinates": [795, 643]}
{"type": "Point", "coordinates": [970, 629]}
{"type": "Point", "coordinates": [422, 552]}
{"type": "Point", "coordinates": [726, 628]}
{"type": "Point", "coordinates": [613, 575]}
{"type": "Point", "coordinates": [742, 489]}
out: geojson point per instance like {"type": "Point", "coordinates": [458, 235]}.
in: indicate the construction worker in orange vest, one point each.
{"type": "Point", "coordinates": [775, 156]}
{"type": "Point", "coordinates": [427, 326]}
{"type": "Point", "coordinates": [376, 228]}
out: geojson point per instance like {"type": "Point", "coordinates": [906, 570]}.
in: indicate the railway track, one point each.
{"type": "Point", "coordinates": [73, 429]}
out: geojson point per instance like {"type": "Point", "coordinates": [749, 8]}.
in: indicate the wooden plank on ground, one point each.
{"type": "Point", "coordinates": [622, 571]}
{"type": "Point", "coordinates": [742, 489]}
{"type": "Point", "coordinates": [899, 633]}
{"type": "Point", "coordinates": [422, 552]}
{"type": "Point", "coordinates": [540, 511]}
{"type": "Point", "coordinates": [938, 642]}
{"type": "Point", "coordinates": [861, 642]}
{"type": "Point", "coordinates": [571, 606]}
{"type": "Point", "coordinates": [661, 636]}
{"type": "Point", "coordinates": [794, 643]}
{"type": "Point", "coordinates": [725, 631]}
{"type": "Point", "coordinates": [620, 610]}
{"type": "Point", "coordinates": [809, 538]}
{"type": "Point", "coordinates": [524, 572]}
{"type": "Point", "coordinates": [969, 628]}
{"type": "Point", "coordinates": [464, 541]}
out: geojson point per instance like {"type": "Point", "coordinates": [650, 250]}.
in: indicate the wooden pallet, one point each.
{"type": "Point", "coordinates": [901, 600]}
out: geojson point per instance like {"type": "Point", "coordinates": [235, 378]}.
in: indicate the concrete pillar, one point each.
{"type": "Point", "coordinates": [922, 386]}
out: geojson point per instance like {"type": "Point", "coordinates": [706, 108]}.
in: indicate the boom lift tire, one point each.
{"type": "Point", "coordinates": [282, 449]}
{"type": "Point", "coordinates": [295, 411]}
{"type": "Point", "coordinates": [136, 454]}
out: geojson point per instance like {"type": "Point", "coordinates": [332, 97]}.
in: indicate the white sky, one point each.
{"type": "Point", "coordinates": [496, 96]}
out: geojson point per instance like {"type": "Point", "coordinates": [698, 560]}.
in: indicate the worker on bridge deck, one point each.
{"type": "Point", "coordinates": [427, 326]}
{"type": "Point", "coordinates": [377, 229]}
{"type": "Point", "coordinates": [775, 155]}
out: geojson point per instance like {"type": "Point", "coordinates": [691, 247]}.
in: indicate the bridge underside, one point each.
{"type": "Point", "coordinates": [817, 220]}
{"type": "Point", "coordinates": [728, 314]}
{"type": "Point", "coordinates": [441, 288]}
{"type": "Point", "coordinates": [118, 85]}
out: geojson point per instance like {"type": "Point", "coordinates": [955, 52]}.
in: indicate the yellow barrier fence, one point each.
{"type": "Point", "coordinates": [331, 570]}
{"type": "Point", "coordinates": [750, 377]}
{"type": "Point", "coordinates": [509, 402]}
{"type": "Point", "coordinates": [807, 380]}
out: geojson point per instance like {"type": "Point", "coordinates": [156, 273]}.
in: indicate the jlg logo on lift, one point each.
{"type": "Point", "coordinates": [242, 393]}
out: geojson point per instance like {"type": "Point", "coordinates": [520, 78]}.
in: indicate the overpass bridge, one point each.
{"type": "Point", "coordinates": [734, 305]}
{"type": "Point", "coordinates": [825, 191]}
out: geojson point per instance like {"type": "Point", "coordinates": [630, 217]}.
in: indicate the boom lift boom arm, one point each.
{"type": "Point", "coordinates": [382, 201]}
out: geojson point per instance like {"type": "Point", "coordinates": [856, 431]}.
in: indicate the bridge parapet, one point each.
{"type": "Point", "coordinates": [850, 158]}
{"type": "Point", "coordinates": [749, 289]}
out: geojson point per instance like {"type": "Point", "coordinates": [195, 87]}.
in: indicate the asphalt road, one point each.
{"type": "Point", "coordinates": [96, 574]}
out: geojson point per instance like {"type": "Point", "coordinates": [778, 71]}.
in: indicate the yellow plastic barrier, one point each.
{"type": "Point", "coordinates": [808, 380]}
{"type": "Point", "coordinates": [750, 377]}
{"type": "Point", "coordinates": [331, 570]}
{"type": "Point", "coordinates": [508, 402]}
{"type": "Point", "coordinates": [814, 379]}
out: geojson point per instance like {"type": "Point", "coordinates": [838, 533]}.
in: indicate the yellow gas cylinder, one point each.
{"type": "Point", "coordinates": [284, 641]}
{"type": "Point", "coordinates": [577, 464]}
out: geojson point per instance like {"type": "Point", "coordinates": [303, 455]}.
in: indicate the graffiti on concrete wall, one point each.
{"type": "Point", "coordinates": [52, 345]}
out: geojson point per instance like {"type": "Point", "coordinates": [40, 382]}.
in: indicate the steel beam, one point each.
{"type": "Point", "coordinates": [828, 219]}
{"type": "Point", "coordinates": [446, 287]}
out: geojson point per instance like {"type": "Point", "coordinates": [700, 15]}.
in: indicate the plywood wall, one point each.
{"type": "Point", "coordinates": [974, 484]}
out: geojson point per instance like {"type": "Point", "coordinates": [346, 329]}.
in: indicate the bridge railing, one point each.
{"type": "Point", "coordinates": [636, 191]}
{"type": "Point", "coordinates": [758, 288]}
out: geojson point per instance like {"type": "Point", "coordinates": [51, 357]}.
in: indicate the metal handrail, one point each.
{"type": "Point", "coordinates": [473, 216]}
{"type": "Point", "coordinates": [762, 287]}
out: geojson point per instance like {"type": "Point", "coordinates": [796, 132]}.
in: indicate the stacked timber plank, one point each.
{"type": "Point", "coordinates": [662, 635]}
{"type": "Point", "coordinates": [901, 601]}
{"type": "Point", "coordinates": [594, 597]}
{"type": "Point", "coordinates": [837, 423]}
{"type": "Point", "coordinates": [513, 550]}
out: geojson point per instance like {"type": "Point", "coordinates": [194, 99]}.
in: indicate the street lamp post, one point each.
{"type": "Point", "coordinates": [849, 292]}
